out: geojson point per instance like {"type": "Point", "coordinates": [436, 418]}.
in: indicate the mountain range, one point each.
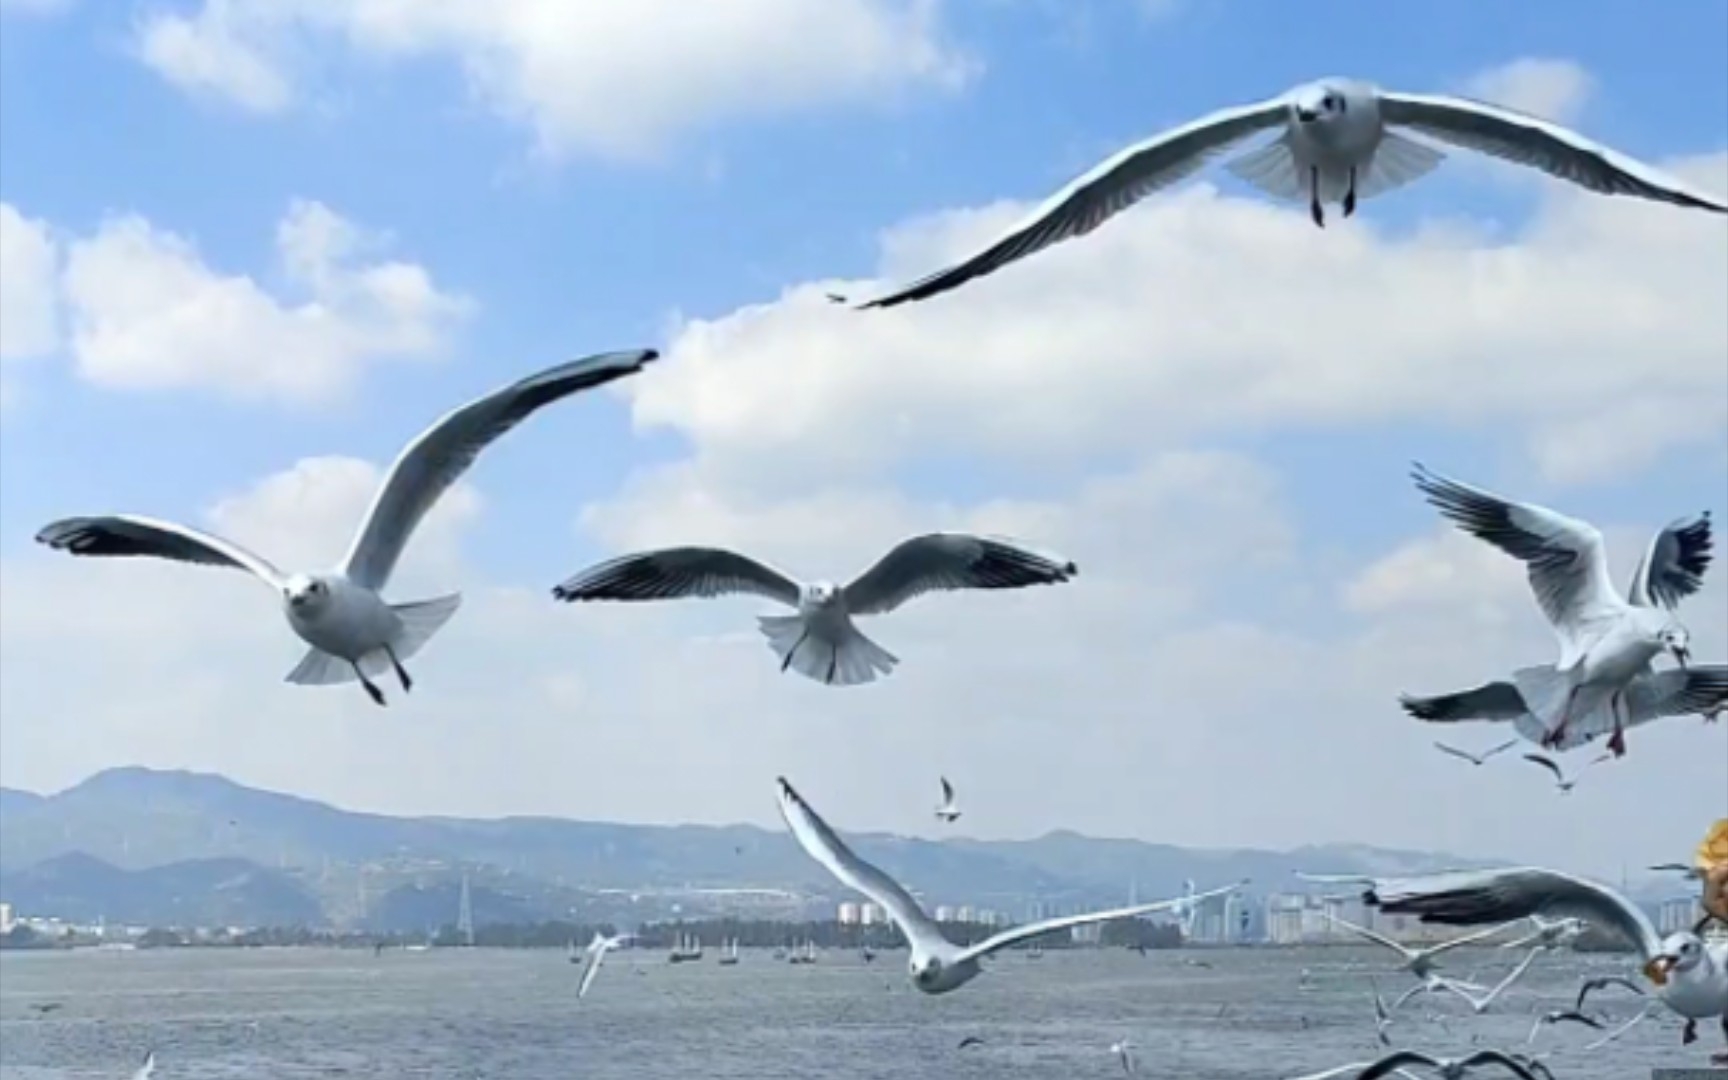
{"type": "Point", "coordinates": [144, 845]}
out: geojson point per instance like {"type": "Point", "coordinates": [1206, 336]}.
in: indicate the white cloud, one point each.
{"type": "Point", "coordinates": [583, 74]}
{"type": "Point", "coordinates": [29, 306]}
{"type": "Point", "coordinates": [147, 312]}
{"type": "Point", "coordinates": [1555, 90]}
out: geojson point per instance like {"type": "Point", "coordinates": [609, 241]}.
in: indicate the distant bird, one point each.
{"type": "Point", "coordinates": [820, 641]}
{"type": "Point", "coordinates": [970, 1040]}
{"type": "Point", "coordinates": [937, 965]}
{"type": "Point", "coordinates": [1603, 982]}
{"type": "Point", "coordinates": [1399, 1062]}
{"type": "Point", "coordinates": [1605, 641]}
{"type": "Point", "coordinates": [1418, 962]}
{"type": "Point", "coordinates": [1382, 1015]}
{"type": "Point", "coordinates": [1549, 935]}
{"type": "Point", "coordinates": [1124, 1051]}
{"type": "Point", "coordinates": [353, 631]}
{"type": "Point", "coordinates": [1561, 782]}
{"type": "Point", "coordinates": [1335, 144]}
{"type": "Point", "coordinates": [1699, 689]}
{"type": "Point", "coordinates": [148, 1068]}
{"type": "Point", "coordinates": [947, 812]}
{"type": "Point", "coordinates": [1480, 1005]}
{"type": "Point", "coordinates": [1691, 977]}
{"type": "Point", "coordinates": [1691, 872]}
{"type": "Point", "coordinates": [1194, 962]}
{"type": "Point", "coordinates": [1562, 1016]}
{"type": "Point", "coordinates": [836, 298]}
{"type": "Point", "coordinates": [1475, 759]}
{"type": "Point", "coordinates": [47, 1007]}
{"type": "Point", "coordinates": [597, 950]}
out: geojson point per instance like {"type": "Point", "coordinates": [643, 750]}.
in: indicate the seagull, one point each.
{"type": "Point", "coordinates": [1549, 935]}
{"type": "Point", "coordinates": [1691, 977]}
{"type": "Point", "coordinates": [947, 812]}
{"type": "Point", "coordinates": [1699, 688]}
{"type": "Point", "coordinates": [970, 1040]}
{"type": "Point", "coordinates": [1447, 1068]}
{"type": "Point", "coordinates": [1602, 982]}
{"type": "Point", "coordinates": [1480, 1005]}
{"type": "Point", "coordinates": [1335, 144]}
{"type": "Point", "coordinates": [597, 950]}
{"type": "Point", "coordinates": [1605, 641]}
{"type": "Point", "coordinates": [1560, 782]}
{"type": "Point", "coordinates": [46, 1007]}
{"type": "Point", "coordinates": [820, 641]}
{"type": "Point", "coordinates": [1418, 962]}
{"type": "Point", "coordinates": [1382, 1015]}
{"type": "Point", "coordinates": [148, 1068]}
{"type": "Point", "coordinates": [937, 965]}
{"type": "Point", "coordinates": [1691, 873]}
{"type": "Point", "coordinates": [1124, 1051]}
{"type": "Point", "coordinates": [351, 629]}
{"type": "Point", "coordinates": [1562, 1016]}
{"type": "Point", "coordinates": [1475, 759]}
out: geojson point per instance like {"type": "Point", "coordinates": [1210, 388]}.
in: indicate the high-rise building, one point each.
{"type": "Point", "coordinates": [849, 913]}
{"type": "Point", "coordinates": [871, 914]}
{"type": "Point", "coordinates": [5, 918]}
{"type": "Point", "coordinates": [945, 913]}
{"type": "Point", "coordinates": [1679, 914]}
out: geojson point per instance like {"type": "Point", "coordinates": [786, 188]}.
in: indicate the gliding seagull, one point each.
{"type": "Point", "coordinates": [1418, 962]}
{"type": "Point", "coordinates": [1335, 145]}
{"type": "Point", "coordinates": [1476, 759]}
{"type": "Point", "coordinates": [1479, 1005]}
{"type": "Point", "coordinates": [820, 641]}
{"type": "Point", "coordinates": [947, 812]}
{"type": "Point", "coordinates": [597, 950]}
{"type": "Point", "coordinates": [352, 630]}
{"type": "Point", "coordinates": [1448, 1068]}
{"type": "Point", "coordinates": [937, 965]}
{"type": "Point", "coordinates": [1561, 783]}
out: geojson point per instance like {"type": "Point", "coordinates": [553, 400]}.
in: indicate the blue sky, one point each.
{"type": "Point", "coordinates": [571, 248]}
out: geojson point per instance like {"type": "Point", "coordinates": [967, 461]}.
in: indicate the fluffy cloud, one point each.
{"type": "Point", "coordinates": [584, 74]}
{"type": "Point", "coordinates": [29, 305]}
{"type": "Point", "coordinates": [1554, 90]}
{"type": "Point", "coordinates": [147, 312]}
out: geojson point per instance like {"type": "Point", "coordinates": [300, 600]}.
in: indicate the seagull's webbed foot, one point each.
{"type": "Point", "coordinates": [1617, 742]}
{"type": "Point", "coordinates": [1689, 1034]}
{"type": "Point", "coordinates": [401, 672]}
{"type": "Point", "coordinates": [1350, 194]}
{"type": "Point", "coordinates": [371, 688]}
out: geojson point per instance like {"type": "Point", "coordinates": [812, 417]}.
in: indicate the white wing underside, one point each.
{"type": "Point", "coordinates": [1272, 170]}
{"type": "Point", "coordinates": [1038, 929]}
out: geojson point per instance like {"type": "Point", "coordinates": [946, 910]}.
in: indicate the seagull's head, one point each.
{"type": "Point", "coordinates": [823, 593]}
{"type": "Point", "coordinates": [1677, 641]}
{"type": "Point", "coordinates": [1681, 951]}
{"type": "Point", "coordinates": [305, 593]}
{"type": "Point", "coordinates": [1318, 103]}
{"type": "Point", "coordinates": [925, 970]}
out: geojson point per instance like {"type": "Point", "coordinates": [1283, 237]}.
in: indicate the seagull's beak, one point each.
{"type": "Point", "coordinates": [1658, 968]}
{"type": "Point", "coordinates": [1307, 116]}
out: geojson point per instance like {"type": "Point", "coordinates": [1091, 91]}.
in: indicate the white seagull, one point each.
{"type": "Point", "coordinates": [1691, 977]}
{"type": "Point", "coordinates": [937, 965]}
{"type": "Point", "coordinates": [148, 1068]}
{"type": "Point", "coordinates": [1335, 145]}
{"type": "Point", "coordinates": [1397, 1062]}
{"type": "Point", "coordinates": [1561, 782]}
{"type": "Point", "coordinates": [597, 950]}
{"type": "Point", "coordinates": [820, 641]}
{"type": "Point", "coordinates": [1605, 641]}
{"type": "Point", "coordinates": [1418, 962]}
{"type": "Point", "coordinates": [947, 812]}
{"type": "Point", "coordinates": [1480, 1005]}
{"type": "Point", "coordinates": [1700, 689]}
{"type": "Point", "coordinates": [353, 631]}
{"type": "Point", "coordinates": [1476, 759]}
{"type": "Point", "coordinates": [1124, 1051]}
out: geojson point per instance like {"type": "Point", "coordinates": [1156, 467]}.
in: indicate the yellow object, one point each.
{"type": "Point", "coordinates": [1713, 852]}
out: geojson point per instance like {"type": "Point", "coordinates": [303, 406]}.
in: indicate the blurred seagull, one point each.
{"type": "Point", "coordinates": [1124, 1051]}
{"type": "Point", "coordinates": [1418, 962]}
{"type": "Point", "coordinates": [1335, 144]}
{"type": "Point", "coordinates": [1480, 1005]}
{"type": "Point", "coordinates": [947, 812]}
{"type": "Point", "coordinates": [1605, 641]}
{"type": "Point", "coordinates": [937, 965]}
{"type": "Point", "coordinates": [820, 641]}
{"type": "Point", "coordinates": [353, 631]}
{"type": "Point", "coordinates": [597, 950]}
{"type": "Point", "coordinates": [1549, 934]}
{"type": "Point", "coordinates": [1447, 1068]}
{"type": "Point", "coordinates": [148, 1068]}
{"type": "Point", "coordinates": [1561, 783]}
{"type": "Point", "coordinates": [1562, 1016]}
{"type": "Point", "coordinates": [1473, 758]}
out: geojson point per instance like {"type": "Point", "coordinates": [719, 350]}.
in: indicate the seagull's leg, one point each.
{"type": "Point", "coordinates": [1721, 1057]}
{"type": "Point", "coordinates": [401, 674]}
{"type": "Point", "coordinates": [1617, 742]}
{"type": "Point", "coordinates": [1689, 1033]}
{"type": "Point", "coordinates": [1350, 194]}
{"type": "Point", "coordinates": [372, 691]}
{"type": "Point", "coordinates": [793, 651]}
{"type": "Point", "coordinates": [1314, 209]}
{"type": "Point", "coordinates": [1551, 740]}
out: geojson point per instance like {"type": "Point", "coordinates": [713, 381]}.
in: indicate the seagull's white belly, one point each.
{"type": "Point", "coordinates": [1616, 660]}
{"type": "Point", "coordinates": [1333, 150]}
{"type": "Point", "coordinates": [352, 623]}
{"type": "Point", "coordinates": [1699, 994]}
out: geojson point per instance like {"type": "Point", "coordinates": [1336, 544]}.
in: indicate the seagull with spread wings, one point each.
{"type": "Point", "coordinates": [1476, 759]}
{"type": "Point", "coordinates": [1606, 641]}
{"type": "Point", "coordinates": [937, 965]}
{"type": "Point", "coordinates": [820, 641]}
{"type": "Point", "coordinates": [597, 949]}
{"type": "Point", "coordinates": [1562, 782]}
{"type": "Point", "coordinates": [1338, 140]}
{"type": "Point", "coordinates": [354, 633]}
{"type": "Point", "coordinates": [948, 812]}
{"type": "Point", "coordinates": [1399, 1063]}
{"type": "Point", "coordinates": [1418, 962]}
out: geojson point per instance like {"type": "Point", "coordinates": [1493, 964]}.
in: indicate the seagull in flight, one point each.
{"type": "Point", "coordinates": [947, 812]}
{"type": "Point", "coordinates": [1338, 140]}
{"type": "Point", "coordinates": [1562, 1016]}
{"type": "Point", "coordinates": [1605, 641]}
{"type": "Point", "coordinates": [148, 1068]}
{"type": "Point", "coordinates": [937, 965]}
{"type": "Point", "coordinates": [353, 631]}
{"type": "Point", "coordinates": [1124, 1051]}
{"type": "Point", "coordinates": [1561, 783]}
{"type": "Point", "coordinates": [1549, 934]}
{"type": "Point", "coordinates": [1476, 759]}
{"type": "Point", "coordinates": [596, 955]}
{"type": "Point", "coordinates": [820, 641]}
{"type": "Point", "coordinates": [1382, 1015]}
{"type": "Point", "coordinates": [1700, 689]}
{"type": "Point", "coordinates": [1399, 1062]}
{"type": "Point", "coordinates": [1480, 1005]}
{"type": "Point", "coordinates": [1691, 977]}
{"type": "Point", "coordinates": [1418, 962]}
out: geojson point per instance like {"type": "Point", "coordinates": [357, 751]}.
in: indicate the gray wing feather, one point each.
{"type": "Point", "coordinates": [443, 452]}
{"type": "Point", "coordinates": [947, 561]}
{"type": "Point", "coordinates": [1526, 140]}
{"type": "Point", "coordinates": [129, 535]}
{"type": "Point", "coordinates": [1702, 689]}
{"type": "Point", "coordinates": [1490, 701]}
{"type": "Point", "coordinates": [1672, 568]}
{"type": "Point", "coordinates": [1392, 1062]}
{"type": "Point", "coordinates": [678, 572]}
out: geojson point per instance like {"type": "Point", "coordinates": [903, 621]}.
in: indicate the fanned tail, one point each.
{"type": "Point", "coordinates": [420, 620]}
{"type": "Point", "coordinates": [850, 661]}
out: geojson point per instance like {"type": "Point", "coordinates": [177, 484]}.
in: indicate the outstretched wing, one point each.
{"type": "Point", "coordinates": [1525, 140]}
{"type": "Point", "coordinates": [1672, 568]}
{"type": "Point", "coordinates": [678, 572]}
{"type": "Point", "coordinates": [1038, 929]}
{"type": "Point", "coordinates": [1395, 1062]}
{"type": "Point", "coordinates": [947, 792]}
{"type": "Point", "coordinates": [124, 535]}
{"type": "Point", "coordinates": [1519, 1067]}
{"type": "Point", "coordinates": [1108, 189]}
{"type": "Point", "coordinates": [1457, 753]}
{"type": "Point", "coordinates": [443, 452]}
{"type": "Point", "coordinates": [1490, 701]}
{"type": "Point", "coordinates": [947, 561]}
{"type": "Point", "coordinates": [1548, 764]}
{"type": "Point", "coordinates": [596, 958]}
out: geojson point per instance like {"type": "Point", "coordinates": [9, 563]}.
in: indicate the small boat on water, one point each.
{"type": "Point", "coordinates": [868, 954]}
{"type": "Point", "coordinates": [1035, 952]}
{"type": "Point", "coordinates": [575, 953]}
{"type": "Point", "coordinates": [729, 953]}
{"type": "Point", "coordinates": [688, 949]}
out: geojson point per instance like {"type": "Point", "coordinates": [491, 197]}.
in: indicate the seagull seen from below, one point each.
{"type": "Point", "coordinates": [947, 812]}
{"type": "Point", "coordinates": [820, 641]}
{"type": "Point", "coordinates": [937, 965]}
{"type": "Point", "coordinates": [1605, 641]}
{"type": "Point", "coordinates": [596, 955]}
{"type": "Point", "coordinates": [1476, 759]}
{"type": "Point", "coordinates": [1562, 782]}
{"type": "Point", "coordinates": [1691, 977]}
{"type": "Point", "coordinates": [1336, 143]}
{"type": "Point", "coordinates": [353, 631]}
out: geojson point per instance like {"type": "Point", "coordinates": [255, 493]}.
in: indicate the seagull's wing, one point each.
{"type": "Point", "coordinates": [678, 572]}
{"type": "Point", "coordinates": [591, 969]}
{"type": "Point", "coordinates": [822, 844]}
{"type": "Point", "coordinates": [1516, 1066]}
{"type": "Point", "coordinates": [1037, 929]}
{"type": "Point", "coordinates": [443, 452]}
{"type": "Point", "coordinates": [950, 561]}
{"type": "Point", "coordinates": [1472, 897]}
{"type": "Point", "coordinates": [1681, 868]}
{"type": "Point", "coordinates": [1457, 753]}
{"type": "Point", "coordinates": [1467, 939]}
{"type": "Point", "coordinates": [1672, 568]}
{"type": "Point", "coordinates": [1393, 1062]}
{"type": "Point", "coordinates": [1490, 701]}
{"type": "Point", "coordinates": [1548, 764]}
{"type": "Point", "coordinates": [1702, 688]}
{"type": "Point", "coordinates": [1337, 879]}
{"type": "Point", "coordinates": [1338, 1070]}
{"type": "Point", "coordinates": [947, 792]}
{"type": "Point", "coordinates": [1501, 749]}
{"type": "Point", "coordinates": [1513, 976]}
{"type": "Point", "coordinates": [1564, 558]}
{"type": "Point", "coordinates": [1525, 140]}
{"type": "Point", "coordinates": [1602, 982]}
{"type": "Point", "coordinates": [120, 535]}
{"type": "Point", "coordinates": [147, 1068]}
{"type": "Point", "coordinates": [1369, 935]}
{"type": "Point", "coordinates": [1108, 189]}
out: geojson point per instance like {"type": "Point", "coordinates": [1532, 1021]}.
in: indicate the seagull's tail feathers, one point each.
{"type": "Point", "coordinates": [319, 668]}
{"type": "Point", "coordinates": [1544, 689]}
{"type": "Point", "coordinates": [1398, 161]}
{"type": "Point", "coordinates": [850, 660]}
{"type": "Point", "coordinates": [420, 620]}
{"type": "Point", "coordinates": [1272, 170]}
